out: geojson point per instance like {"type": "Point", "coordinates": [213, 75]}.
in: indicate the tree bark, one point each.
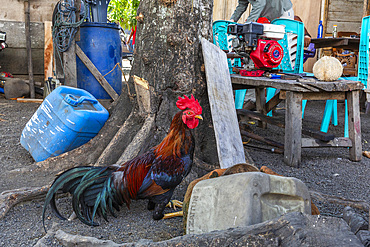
{"type": "Point", "coordinates": [168, 55]}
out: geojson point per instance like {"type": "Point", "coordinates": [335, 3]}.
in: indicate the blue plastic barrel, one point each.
{"type": "Point", "coordinates": [102, 45]}
{"type": "Point", "coordinates": [66, 119]}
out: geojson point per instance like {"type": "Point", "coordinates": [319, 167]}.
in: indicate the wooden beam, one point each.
{"type": "Point", "coordinates": [307, 86]}
{"type": "Point", "coordinates": [336, 142]}
{"type": "Point", "coordinates": [325, 137]}
{"type": "Point", "coordinates": [262, 139]}
{"type": "Point", "coordinates": [273, 102]}
{"type": "Point", "coordinates": [25, 100]}
{"type": "Point", "coordinates": [260, 117]}
{"type": "Point", "coordinates": [318, 96]}
{"type": "Point", "coordinates": [319, 135]}
{"type": "Point", "coordinates": [103, 82]}
{"type": "Point", "coordinates": [274, 150]}
{"type": "Point", "coordinates": [366, 8]}
{"type": "Point", "coordinates": [28, 46]}
{"type": "Point", "coordinates": [48, 50]}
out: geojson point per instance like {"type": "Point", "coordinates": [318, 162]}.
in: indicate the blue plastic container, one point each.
{"type": "Point", "coordinates": [102, 45]}
{"type": "Point", "coordinates": [68, 118]}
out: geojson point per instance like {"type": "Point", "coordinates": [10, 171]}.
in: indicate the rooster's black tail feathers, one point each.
{"type": "Point", "coordinates": [92, 192]}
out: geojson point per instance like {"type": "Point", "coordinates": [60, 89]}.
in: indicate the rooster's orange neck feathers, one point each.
{"type": "Point", "coordinates": [172, 143]}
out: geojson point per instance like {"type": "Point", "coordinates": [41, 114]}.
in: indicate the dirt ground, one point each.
{"type": "Point", "coordinates": [326, 170]}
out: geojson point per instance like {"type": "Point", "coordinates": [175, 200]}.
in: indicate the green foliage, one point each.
{"type": "Point", "coordinates": [123, 12]}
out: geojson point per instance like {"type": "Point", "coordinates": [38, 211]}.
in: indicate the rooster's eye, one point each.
{"type": "Point", "coordinates": [189, 112]}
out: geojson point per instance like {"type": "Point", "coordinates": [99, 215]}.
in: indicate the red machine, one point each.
{"type": "Point", "coordinates": [257, 44]}
{"type": "Point", "coordinates": [268, 54]}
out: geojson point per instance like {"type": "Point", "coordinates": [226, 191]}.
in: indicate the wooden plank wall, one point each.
{"type": "Point", "coordinates": [223, 9]}
{"type": "Point", "coordinates": [12, 17]}
{"type": "Point", "coordinates": [13, 10]}
{"type": "Point", "coordinates": [14, 58]}
{"type": "Point", "coordinates": [309, 11]}
{"type": "Point", "coordinates": [346, 14]}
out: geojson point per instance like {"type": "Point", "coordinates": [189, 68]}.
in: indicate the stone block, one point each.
{"type": "Point", "coordinates": [244, 199]}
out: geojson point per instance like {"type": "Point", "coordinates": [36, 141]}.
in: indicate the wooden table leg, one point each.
{"type": "Point", "coordinates": [354, 125]}
{"type": "Point", "coordinates": [293, 129]}
{"type": "Point", "coordinates": [260, 105]}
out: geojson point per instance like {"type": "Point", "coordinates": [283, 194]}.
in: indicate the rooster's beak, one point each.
{"type": "Point", "coordinates": [199, 117]}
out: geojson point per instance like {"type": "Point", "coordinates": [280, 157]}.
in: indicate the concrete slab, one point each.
{"type": "Point", "coordinates": [244, 199]}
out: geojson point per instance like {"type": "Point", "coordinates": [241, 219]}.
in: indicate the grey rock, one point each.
{"type": "Point", "coordinates": [364, 237]}
{"type": "Point", "coordinates": [15, 88]}
{"type": "Point", "coordinates": [354, 220]}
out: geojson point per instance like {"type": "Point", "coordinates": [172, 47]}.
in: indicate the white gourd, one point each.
{"type": "Point", "coordinates": [327, 69]}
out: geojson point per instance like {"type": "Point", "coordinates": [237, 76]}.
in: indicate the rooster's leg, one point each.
{"type": "Point", "coordinates": [174, 203]}
{"type": "Point", "coordinates": [174, 214]}
{"type": "Point", "coordinates": [158, 211]}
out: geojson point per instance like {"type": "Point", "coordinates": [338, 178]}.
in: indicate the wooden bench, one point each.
{"type": "Point", "coordinates": [293, 92]}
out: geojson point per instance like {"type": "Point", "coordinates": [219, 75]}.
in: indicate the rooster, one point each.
{"type": "Point", "coordinates": [153, 175]}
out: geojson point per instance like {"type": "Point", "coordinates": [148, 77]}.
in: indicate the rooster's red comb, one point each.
{"type": "Point", "coordinates": [191, 103]}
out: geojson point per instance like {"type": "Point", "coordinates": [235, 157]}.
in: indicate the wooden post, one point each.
{"type": "Point", "coordinates": [48, 51]}
{"type": "Point", "coordinates": [293, 129]}
{"type": "Point", "coordinates": [69, 57]}
{"type": "Point", "coordinates": [70, 71]}
{"type": "Point", "coordinates": [324, 15]}
{"type": "Point", "coordinates": [260, 105]}
{"type": "Point", "coordinates": [28, 47]}
{"type": "Point", "coordinates": [354, 125]}
{"type": "Point", "coordinates": [366, 8]}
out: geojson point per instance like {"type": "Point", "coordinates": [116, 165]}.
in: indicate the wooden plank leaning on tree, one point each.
{"type": "Point", "coordinates": [228, 139]}
{"type": "Point", "coordinates": [103, 82]}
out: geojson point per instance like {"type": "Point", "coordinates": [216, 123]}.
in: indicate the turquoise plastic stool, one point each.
{"type": "Point", "coordinates": [362, 73]}
{"type": "Point", "coordinates": [223, 40]}
{"type": "Point", "coordinates": [293, 52]}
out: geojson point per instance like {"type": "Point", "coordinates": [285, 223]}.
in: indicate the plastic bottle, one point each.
{"type": "Point", "coordinates": [320, 30]}
{"type": "Point", "coordinates": [335, 31]}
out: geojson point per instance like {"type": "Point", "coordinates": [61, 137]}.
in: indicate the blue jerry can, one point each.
{"type": "Point", "coordinates": [67, 118]}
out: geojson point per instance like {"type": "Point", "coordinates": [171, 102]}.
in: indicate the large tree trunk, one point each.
{"type": "Point", "coordinates": [167, 63]}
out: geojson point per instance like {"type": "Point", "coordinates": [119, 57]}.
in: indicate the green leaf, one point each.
{"type": "Point", "coordinates": [123, 12]}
